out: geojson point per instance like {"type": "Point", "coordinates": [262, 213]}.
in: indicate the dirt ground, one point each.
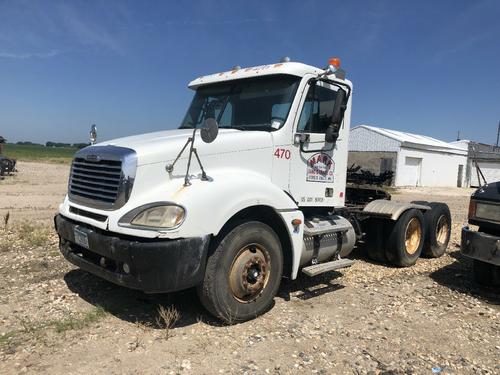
{"type": "Point", "coordinates": [370, 318]}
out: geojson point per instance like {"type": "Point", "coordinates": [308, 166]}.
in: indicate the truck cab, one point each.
{"type": "Point", "coordinates": [250, 188]}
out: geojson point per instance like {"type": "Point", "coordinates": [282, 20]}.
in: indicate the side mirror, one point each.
{"type": "Point", "coordinates": [339, 107]}
{"type": "Point", "coordinates": [332, 132]}
{"type": "Point", "coordinates": [210, 130]}
{"type": "Point", "coordinates": [93, 134]}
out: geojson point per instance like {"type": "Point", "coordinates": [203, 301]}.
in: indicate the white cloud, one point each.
{"type": "Point", "coordinates": [29, 55]}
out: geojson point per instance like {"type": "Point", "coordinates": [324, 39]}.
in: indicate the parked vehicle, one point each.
{"type": "Point", "coordinates": [7, 165]}
{"type": "Point", "coordinates": [483, 245]}
{"type": "Point", "coordinates": [267, 198]}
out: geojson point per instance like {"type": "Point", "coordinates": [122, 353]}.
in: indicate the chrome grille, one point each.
{"type": "Point", "coordinates": [96, 180]}
{"type": "Point", "coordinates": [102, 176]}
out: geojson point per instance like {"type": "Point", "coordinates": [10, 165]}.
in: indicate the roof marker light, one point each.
{"type": "Point", "coordinates": [334, 62]}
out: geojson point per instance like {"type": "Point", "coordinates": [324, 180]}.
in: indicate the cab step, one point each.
{"type": "Point", "coordinates": [320, 268]}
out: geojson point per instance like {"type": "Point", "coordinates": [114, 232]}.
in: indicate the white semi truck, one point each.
{"type": "Point", "coordinates": [249, 189]}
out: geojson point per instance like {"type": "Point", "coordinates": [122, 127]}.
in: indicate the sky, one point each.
{"type": "Point", "coordinates": [426, 67]}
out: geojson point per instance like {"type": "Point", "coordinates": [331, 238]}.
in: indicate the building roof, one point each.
{"type": "Point", "coordinates": [478, 150]}
{"type": "Point", "coordinates": [415, 140]}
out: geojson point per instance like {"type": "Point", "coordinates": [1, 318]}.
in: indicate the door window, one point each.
{"type": "Point", "coordinates": [317, 111]}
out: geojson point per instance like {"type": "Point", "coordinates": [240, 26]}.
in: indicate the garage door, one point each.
{"type": "Point", "coordinates": [491, 172]}
{"type": "Point", "coordinates": [410, 175]}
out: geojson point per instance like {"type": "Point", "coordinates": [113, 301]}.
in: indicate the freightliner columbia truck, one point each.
{"type": "Point", "coordinates": [250, 189]}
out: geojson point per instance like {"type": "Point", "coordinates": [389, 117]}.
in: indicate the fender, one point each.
{"type": "Point", "coordinates": [390, 209]}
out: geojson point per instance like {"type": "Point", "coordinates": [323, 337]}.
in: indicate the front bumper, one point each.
{"type": "Point", "coordinates": [481, 246]}
{"type": "Point", "coordinates": [155, 266]}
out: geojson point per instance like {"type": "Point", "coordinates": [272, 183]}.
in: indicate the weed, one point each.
{"type": "Point", "coordinates": [167, 317]}
{"type": "Point", "coordinates": [143, 326]}
{"type": "Point", "coordinates": [134, 345]}
{"type": "Point", "coordinates": [6, 220]}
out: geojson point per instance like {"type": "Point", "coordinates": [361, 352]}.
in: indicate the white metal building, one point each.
{"type": "Point", "coordinates": [416, 160]}
{"type": "Point", "coordinates": [486, 157]}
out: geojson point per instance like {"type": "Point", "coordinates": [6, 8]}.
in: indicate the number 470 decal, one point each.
{"type": "Point", "coordinates": [282, 153]}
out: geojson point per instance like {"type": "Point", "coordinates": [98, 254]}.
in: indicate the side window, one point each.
{"type": "Point", "coordinates": [316, 113]}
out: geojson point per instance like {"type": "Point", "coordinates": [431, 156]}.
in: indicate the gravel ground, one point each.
{"type": "Point", "coordinates": [370, 318]}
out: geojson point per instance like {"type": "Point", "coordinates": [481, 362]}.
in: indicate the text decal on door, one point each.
{"type": "Point", "coordinates": [320, 168]}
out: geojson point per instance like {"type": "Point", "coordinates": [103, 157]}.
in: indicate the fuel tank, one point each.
{"type": "Point", "coordinates": [325, 237]}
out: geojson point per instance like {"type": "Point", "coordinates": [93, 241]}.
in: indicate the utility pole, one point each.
{"type": "Point", "coordinates": [498, 133]}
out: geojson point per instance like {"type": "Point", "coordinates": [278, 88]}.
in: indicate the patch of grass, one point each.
{"type": "Point", "coordinates": [12, 339]}
{"type": "Point", "coordinates": [79, 322]}
{"type": "Point", "coordinates": [39, 153]}
{"type": "Point", "coordinates": [33, 234]}
{"type": "Point", "coordinates": [6, 337]}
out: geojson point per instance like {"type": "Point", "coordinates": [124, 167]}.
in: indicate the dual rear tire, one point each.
{"type": "Point", "coordinates": [401, 243]}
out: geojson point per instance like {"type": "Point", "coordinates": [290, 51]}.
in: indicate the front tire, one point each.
{"type": "Point", "coordinates": [243, 273]}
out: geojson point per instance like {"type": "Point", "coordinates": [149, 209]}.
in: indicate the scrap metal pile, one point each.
{"type": "Point", "coordinates": [356, 175]}
{"type": "Point", "coordinates": [7, 166]}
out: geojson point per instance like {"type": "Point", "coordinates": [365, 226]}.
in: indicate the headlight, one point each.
{"type": "Point", "coordinates": [488, 211]}
{"type": "Point", "coordinates": [156, 215]}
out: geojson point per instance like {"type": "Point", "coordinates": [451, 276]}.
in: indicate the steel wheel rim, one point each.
{"type": "Point", "coordinates": [249, 273]}
{"type": "Point", "coordinates": [442, 228]}
{"type": "Point", "coordinates": [413, 235]}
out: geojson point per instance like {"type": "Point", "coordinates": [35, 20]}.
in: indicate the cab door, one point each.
{"type": "Point", "coordinates": [313, 174]}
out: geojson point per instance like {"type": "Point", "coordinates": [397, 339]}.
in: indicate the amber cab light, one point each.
{"type": "Point", "coordinates": [472, 208]}
{"type": "Point", "coordinates": [335, 62]}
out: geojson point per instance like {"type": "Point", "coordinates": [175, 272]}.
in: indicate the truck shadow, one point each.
{"type": "Point", "coordinates": [305, 287]}
{"type": "Point", "coordinates": [135, 306]}
{"type": "Point", "coordinates": [458, 277]}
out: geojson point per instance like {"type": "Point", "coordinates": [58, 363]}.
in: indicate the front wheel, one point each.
{"type": "Point", "coordinates": [243, 273]}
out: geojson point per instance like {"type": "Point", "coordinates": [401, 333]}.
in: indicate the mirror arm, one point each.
{"type": "Point", "coordinates": [302, 141]}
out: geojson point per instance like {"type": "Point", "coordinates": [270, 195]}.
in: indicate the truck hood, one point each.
{"type": "Point", "coordinates": [164, 146]}
{"type": "Point", "coordinates": [488, 192]}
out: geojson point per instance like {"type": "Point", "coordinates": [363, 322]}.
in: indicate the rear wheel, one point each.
{"type": "Point", "coordinates": [438, 230]}
{"type": "Point", "coordinates": [406, 239]}
{"type": "Point", "coordinates": [243, 273]}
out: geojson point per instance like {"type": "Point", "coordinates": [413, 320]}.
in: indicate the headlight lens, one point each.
{"type": "Point", "coordinates": [169, 216]}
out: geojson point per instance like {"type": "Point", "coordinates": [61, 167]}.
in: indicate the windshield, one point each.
{"type": "Point", "coordinates": [260, 103]}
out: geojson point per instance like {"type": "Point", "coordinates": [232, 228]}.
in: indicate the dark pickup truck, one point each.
{"type": "Point", "coordinates": [483, 245]}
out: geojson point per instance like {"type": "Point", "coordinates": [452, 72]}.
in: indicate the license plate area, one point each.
{"type": "Point", "coordinates": [81, 238]}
